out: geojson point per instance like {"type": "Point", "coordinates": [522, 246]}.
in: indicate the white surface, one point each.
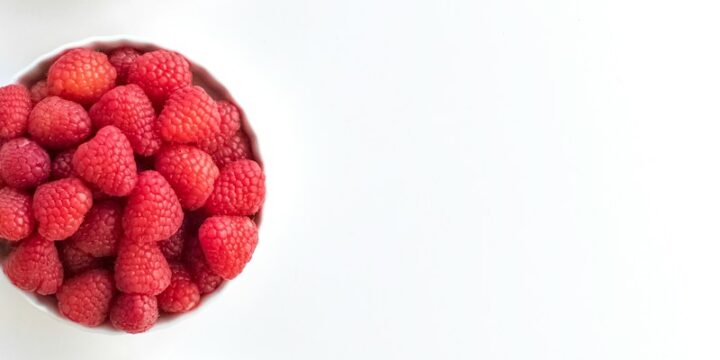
{"type": "Point", "coordinates": [447, 179]}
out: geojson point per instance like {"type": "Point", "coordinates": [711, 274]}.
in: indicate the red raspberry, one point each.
{"type": "Point", "coordinates": [229, 125]}
{"type": "Point", "coordinates": [190, 171]}
{"type": "Point", "coordinates": [193, 257]}
{"type": "Point", "coordinates": [38, 91]}
{"type": "Point", "coordinates": [35, 266]}
{"type": "Point", "coordinates": [60, 207]}
{"type": "Point", "coordinates": [160, 73]}
{"type": "Point", "coordinates": [75, 260]}
{"type": "Point", "coordinates": [16, 220]}
{"type": "Point", "coordinates": [101, 231]}
{"type": "Point", "coordinates": [85, 299]}
{"type": "Point", "coordinates": [141, 268]}
{"type": "Point", "coordinates": [172, 247]}
{"type": "Point", "coordinates": [23, 163]}
{"type": "Point", "coordinates": [239, 190]}
{"type": "Point", "coordinates": [182, 295]}
{"type": "Point", "coordinates": [81, 75]}
{"type": "Point", "coordinates": [190, 116]}
{"type": "Point", "coordinates": [122, 58]}
{"type": "Point", "coordinates": [15, 106]}
{"type": "Point", "coordinates": [62, 165]}
{"type": "Point", "coordinates": [56, 123]}
{"type": "Point", "coordinates": [237, 148]}
{"type": "Point", "coordinates": [153, 211]}
{"type": "Point", "coordinates": [107, 162]}
{"type": "Point", "coordinates": [228, 243]}
{"type": "Point", "coordinates": [134, 313]}
{"type": "Point", "coordinates": [127, 108]}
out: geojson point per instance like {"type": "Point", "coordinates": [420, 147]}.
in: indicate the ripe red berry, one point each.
{"type": "Point", "coordinates": [60, 206]}
{"type": "Point", "coordinates": [236, 148]}
{"type": "Point", "coordinates": [190, 116]}
{"type": "Point", "coordinates": [101, 231]}
{"type": "Point", "coordinates": [35, 266]}
{"type": "Point", "coordinates": [128, 109]}
{"type": "Point", "coordinates": [62, 165]}
{"type": "Point", "coordinates": [16, 219]}
{"type": "Point", "coordinates": [190, 171]}
{"type": "Point", "coordinates": [194, 259]}
{"type": "Point", "coordinates": [122, 58]}
{"type": "Point", "coordinates": [141, 268]}
{"type": "Point", "coordinates": [172, 247]}
{"type": "Point", "coordinates": [153, 211]}
{"type": "Point", "coordinates": [107, 162]}
{"type": "Point", "coordinates": [75, 260]}
{"type": "Point", "coordinates": [228, 243]}
{"type": "Point", "coordinates": [38, 91]}
{"type": "Point", "coordinates": [182, 294]}
{"type": "Point", "coordinates": [159, 73]}
{"type": "Point", "coordinates": [15, 106]}
{"type": "Point", "coordinates": [56, 123]}
{"type": "Point", "coordinates": [23, 163]}
{"type": "Point", "coordinates": [229, 125]}
{"type": "Point", "coordinates": [85, 298]}
{"type": "Point", "coordinates": [239, 190]}
{"type": "Point", "coordinates": [81, 75]}
{"type": "Point", "coordinates": [134, 313]}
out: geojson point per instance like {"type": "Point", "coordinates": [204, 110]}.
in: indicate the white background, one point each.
{"type": "Point", "coordinates": [447, 179]}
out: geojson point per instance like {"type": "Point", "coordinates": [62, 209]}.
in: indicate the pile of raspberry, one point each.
{"type": "Point", "coordinates": [126, 192]}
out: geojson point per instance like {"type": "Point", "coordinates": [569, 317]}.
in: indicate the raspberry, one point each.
{"type": "Point", "coordinates": [81, 75]}
{"type": "Point", "coordinates": [56, 123]}
{"type": "Point", "coordinates": [141, 268]}
{"type": "Point", "coordinates": [229, 125]}
{"type": "Point", "coordinates": [239, 190]}
{"type": "Point", "coordinates": [101, 231]}
{"type": "Point", "coordinates": [193, 257]}
{"type": "Point", "coordinates": [62, 165]}
{"type": "Point", "coordinates": [134, 313]}
{"type": "Point", "coordinates": [107, 162]}
{"type": "Point", "coordinates": [182, 295]}
{"type": "Point", "coordinates": [38, 91]}
{"type": "Point", "coordinates": [35, 266]}
{"type": "Point", "coordinates": [127, 108]}
{"type": "Point", "coordinates": [16, 220]}
{"type": "Point", "coordinates": [236, 148]}
{"type": "Point", "coordinates": [228, 243]}
{"type": "Point", "coordinates": [75, 260]}
{"type": "Point", "coordinates": [172, 247]}
{"type": "Point", "coordinates": [190, 116]}
{"type": "Point", "coordinates": [15, 106]}
{"type": "Point", "coordinates": [85, 299]}
{"type": "Point", "coordinates": [159, 73]}
{"type": "Point", "coordinates": [190, 171]}
{"type": "Point", "coordinates": [122, 58]}
{"type": "Point", "coordinates": [23, 163]}
{"type": "Point", "coordinates": [60, 207]}
{"type": "Point", "coordinates": [153, 211]}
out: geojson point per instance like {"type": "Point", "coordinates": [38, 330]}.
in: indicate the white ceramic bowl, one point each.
{"type": "Point", "coordinates": [36, 71]}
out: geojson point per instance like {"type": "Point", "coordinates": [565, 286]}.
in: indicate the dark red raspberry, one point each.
{"type": "Point", "coordinates": [228, 243]}
{"type": "Point", "coordinates": [122, 58]}
{"type": "Point", "coordinates": [101, 231]}
{"type": "Point", "coordinates": [38, 91]}
{"type": "Point", "coordinates": [190, 171]}
{"type": "Point", "coordinates": [35, 266]}
{"type": "Point", "coordinates": [182, 295]}
{"type": "Point", "coordinates": [15, 106]}
{"type": "Point", "coordinates": [81, 75]}
{"type": "Point", "coordinates": [153, 211]}
{"type": "Point", "coordinates": [23, 163]}
{"type": "Point", "coordinates": [60, 206]}
{"type": "Point", "coordinates": [229, 126]}
{"type": "Point", "coordinates": [128, 109]}
{"type": "Point", "coordinates": [85, 298]}
{"type": "Point", "coordinates": [134, 313]}
{"type": "Point", "coordinates": [141, 268]}
{"type": "Point", "coordinates": [107, 162]}
{"type": "Point", "coordinates": [193, 257]}
{"type": "Point", "coordinates": [239, 190]}
{"type": "Point", "coordinates": [56, 123]}
{"type": "Point", "coordinates": [173, 246]}
{"type": "Point", "coordinates": [62, 165]}
{"type": "Point", "coordinates": [236, 148]}
{"type": "Point", "coordinates": [16, 219]}
{"type": "Point", "coordinates": [159, 73]}
{"type": "Point", "coordinates": [190, 116]}
{"type": "Point", "coordinates": [75, 260]}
